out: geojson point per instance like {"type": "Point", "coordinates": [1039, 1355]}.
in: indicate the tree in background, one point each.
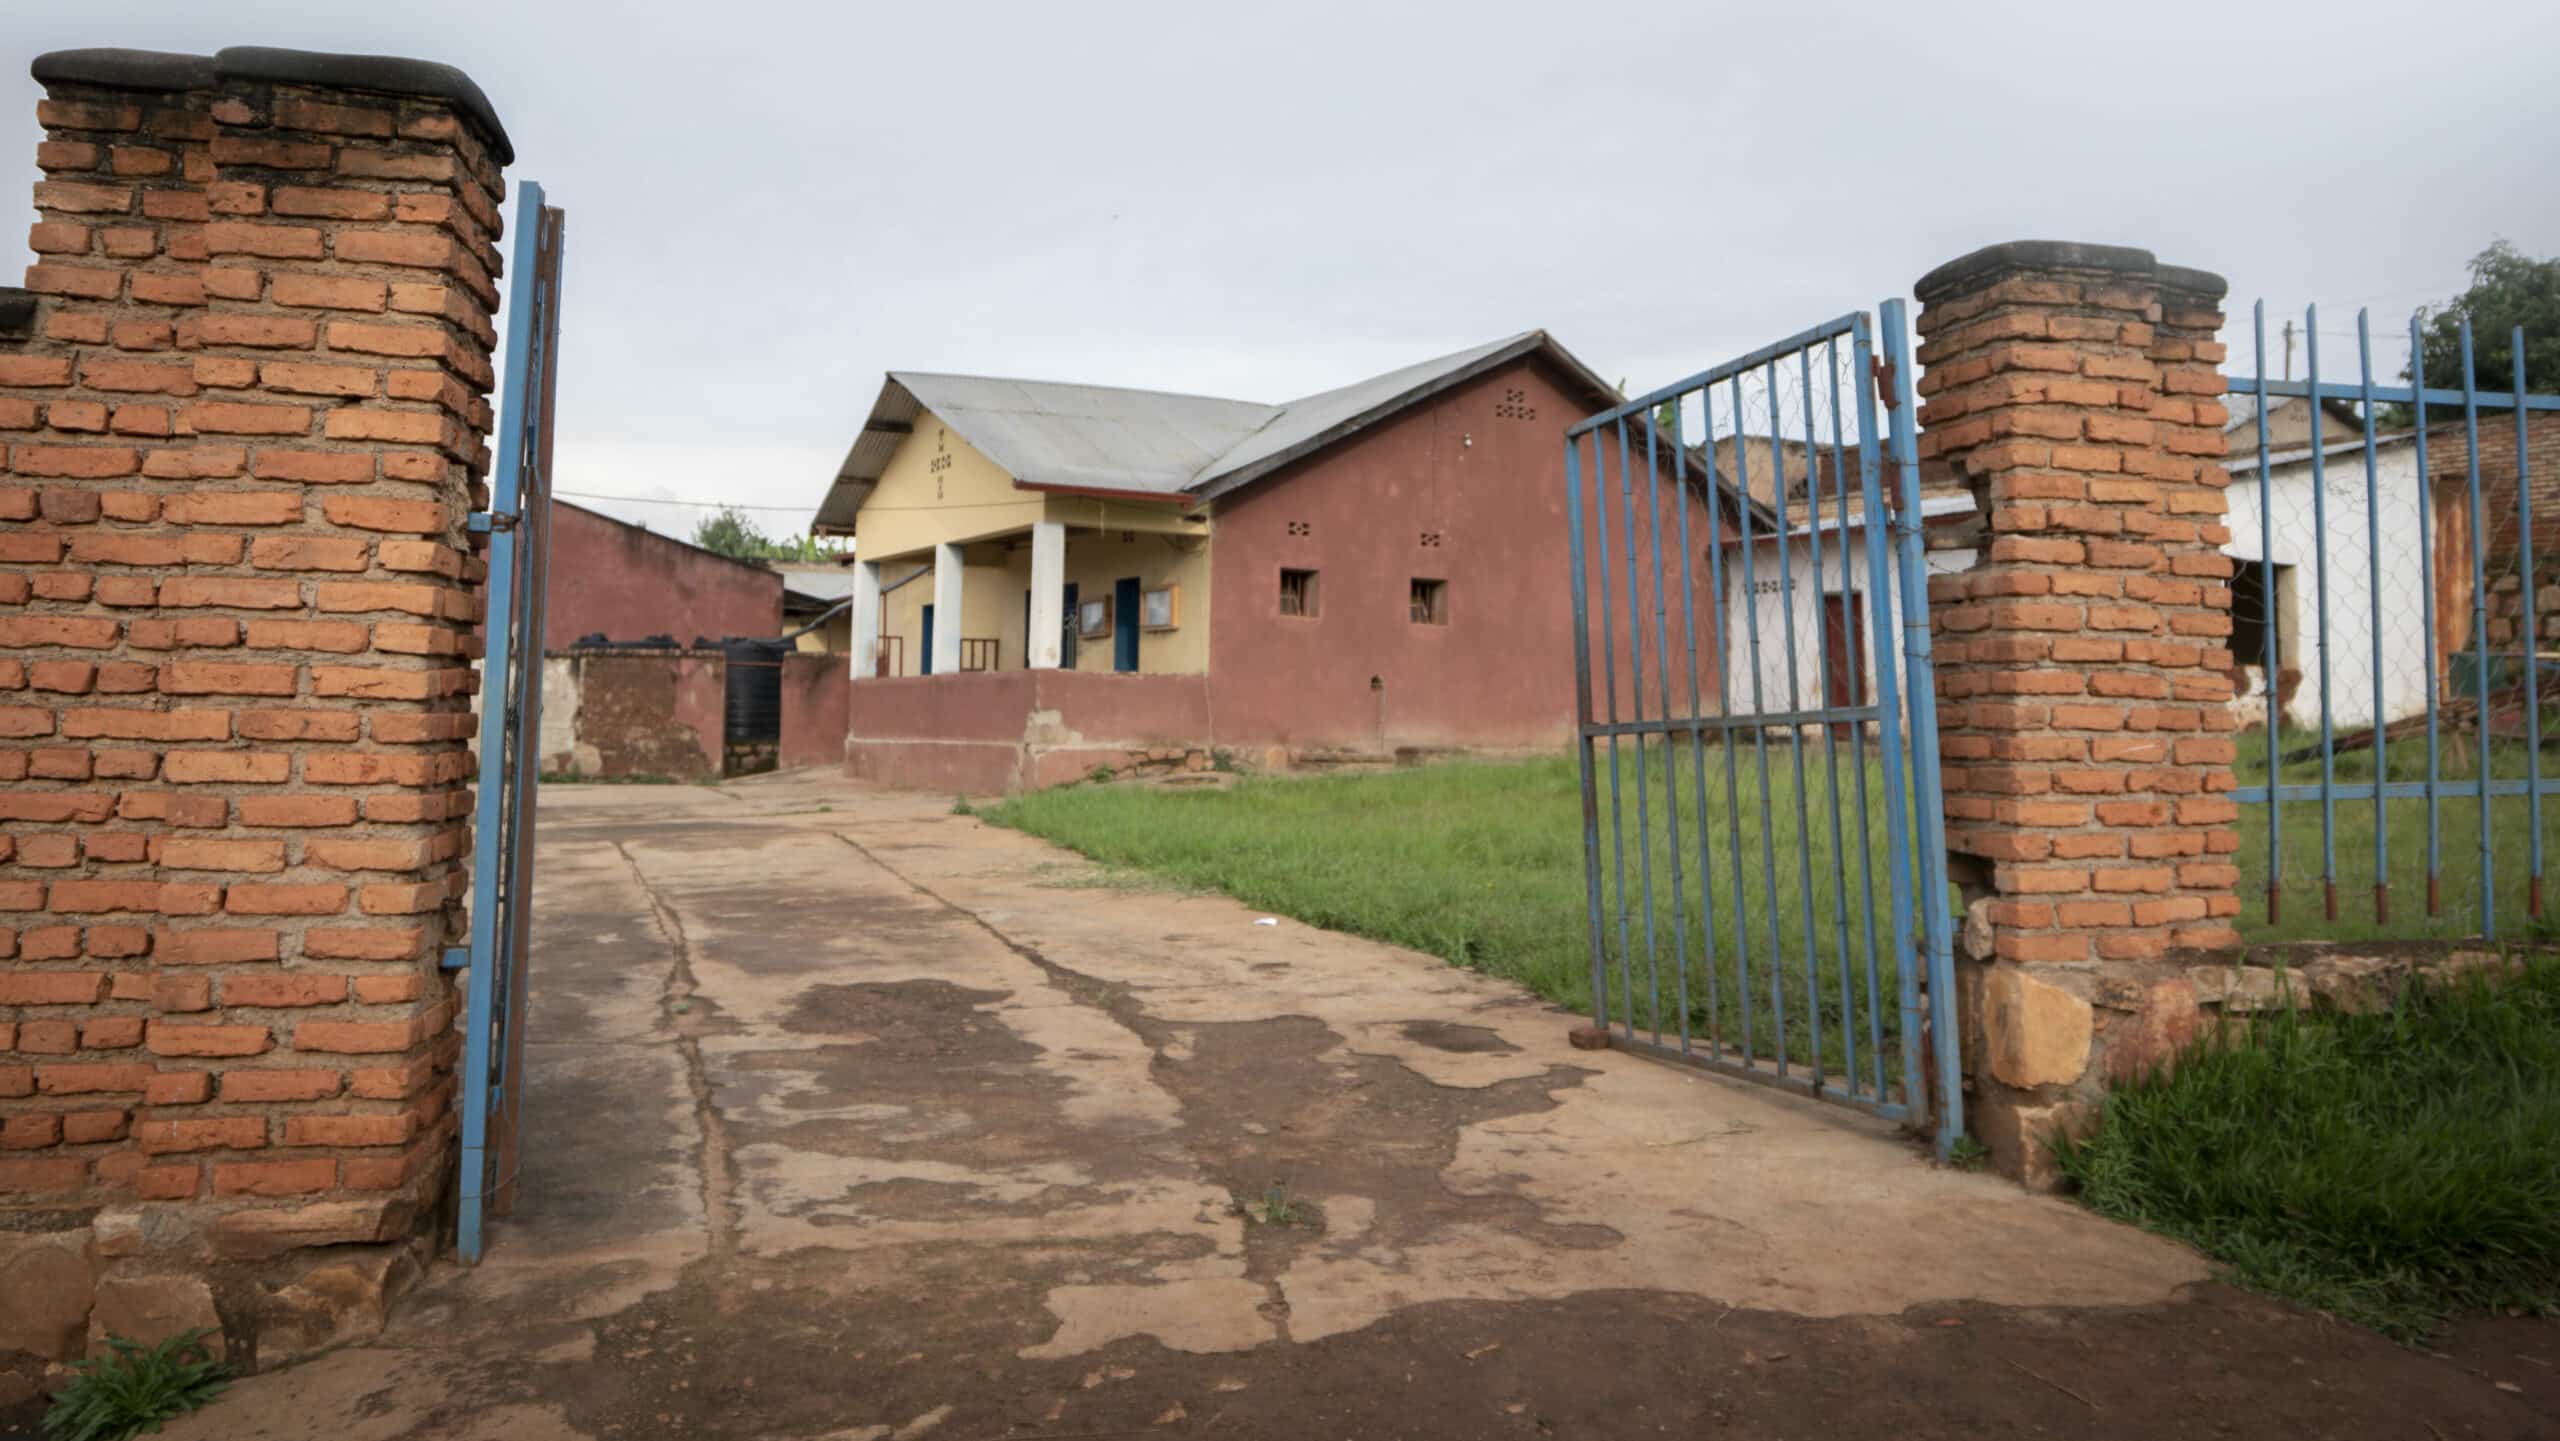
{"type": "Point", "coordinates": [731, 533]}
{"type": "Point", "coordinates": [2508, 289]}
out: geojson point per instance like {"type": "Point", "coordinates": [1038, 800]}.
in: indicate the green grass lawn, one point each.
{"type": "Point", "coordinates": [2391, 1168]}
{"type": "Point", "coordinates": [1480, 863]}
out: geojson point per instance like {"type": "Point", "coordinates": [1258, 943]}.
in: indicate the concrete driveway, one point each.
{"type": "Point", "coordinates": [853, 1118]}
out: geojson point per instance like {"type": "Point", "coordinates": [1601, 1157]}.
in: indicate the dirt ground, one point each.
{"type": "Point", "coordinates": [851, 1119]}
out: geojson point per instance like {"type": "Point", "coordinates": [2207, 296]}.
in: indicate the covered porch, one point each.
{"type": "Point", "coordinates": [1086, 586]}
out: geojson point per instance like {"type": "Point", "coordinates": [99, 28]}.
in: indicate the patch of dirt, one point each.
{"type": "Point", "coordinates": [1282, 1103]}
{"type": "Point", "coordinates": [936, 1078]}
{"type": "Point", "coordinates": [1462, 1039]}
{"type": "Point", "coordinates": [2518, 1352]}
{"type": "Point", "coordinates": [772, 1350]}
{"type": "Point", "coordinates": [921, 1021]}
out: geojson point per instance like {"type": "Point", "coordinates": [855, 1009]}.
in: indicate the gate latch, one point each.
{"type": "Point", "coordinates": [484, 522]}
{"type": "Point", "coordinates": [1883, 371]}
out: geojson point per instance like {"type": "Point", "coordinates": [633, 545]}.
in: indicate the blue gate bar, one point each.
{"type": "Point", "coordinates": [2273, 652]}
{"type": "Point", "coordinates": [1697, 753]}
{"type": "Point", "coordinates": [2529, 640]}
{"type": "Point", "coordinates": [2427, 611]}
{"type": "Point", "coordinates": [2373, 594]}
{"type": "Point", "coordinates": [2480, 628]}
{"type": "Point", "coordinates": [520, 405]}
{"type": "Point", "coordinates": [1609, 688]}
{"type": "Point", "coordinates": [1724, 709]}
{"type": "Point", "coordinates": [2392, 790]}
{"type": "Point", "coordinates": [1670, 757]}
{"type": "Point", "coordinates": [1889, 704]}
{"type": "Point", "coordinates": [1929, 810]}
{"type": "Point", "coordinates": [1635, 702]}
{"type": "Point", "coordinates": [2395, 394]}
{"type": "Point", "coordinates": [1795, 734]}
{"type": "Point", "coordinates": [1760, 733]}
{"type": "Point", "coordinates": [2320, 566]}
{"type": "Point", "coordinates": [1830, 735]}
{"type": "Point", "coordinates": [1868, 632]}
{"type": "Point", "coordinates": [1582, 742]}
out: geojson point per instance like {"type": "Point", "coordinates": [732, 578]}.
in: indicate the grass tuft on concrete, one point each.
{"type": "Point", "coordinates": [2391, 1168]}
{"type": "Point", "coordinates": [134, 1388]}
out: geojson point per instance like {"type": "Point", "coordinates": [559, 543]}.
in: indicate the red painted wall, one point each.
{"type": "Point", "coordinates": [989, 732]}
{"type": "Point", "coordinates": [815, 695]}
{"type": "Point", "coordinates": [629, 583]}
{"type": "Point", "coordinates": [1470, 489]}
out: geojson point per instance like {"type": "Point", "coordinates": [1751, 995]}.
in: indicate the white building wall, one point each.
{"type": "Point", "coordinates": [2352, 579]}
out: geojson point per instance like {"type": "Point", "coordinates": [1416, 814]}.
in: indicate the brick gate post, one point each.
{"type": "Point", "coordinates": [2075, 390]}
{"type": "Point", "coordinates": [243, 424]}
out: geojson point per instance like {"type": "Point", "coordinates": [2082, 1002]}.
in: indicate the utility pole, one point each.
{"type": "Point", "coordinates": [2288, 350]}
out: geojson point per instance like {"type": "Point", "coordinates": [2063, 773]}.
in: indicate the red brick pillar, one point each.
{"type": "Point", "coordinates": [242, 434]}
{"type": "Point", "coordinates": [2084, 664]}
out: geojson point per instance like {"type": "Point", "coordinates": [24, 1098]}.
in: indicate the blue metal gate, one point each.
{"type": "Point", "coordinates": [2391, 627]}
{"type": "Point", "coordinates": [517, 525]}
{"type": "Point", "coordinates": [1737, 920]}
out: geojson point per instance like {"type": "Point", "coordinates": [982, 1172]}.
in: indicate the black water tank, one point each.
{"type": "Point", "coordinates": [754, 709]}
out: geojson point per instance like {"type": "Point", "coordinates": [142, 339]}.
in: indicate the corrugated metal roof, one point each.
{"type": "Point", "coordinates": [1046, 434]}
{"type": "Point", "coordinates": [1316, 420]}
{"type": "Point", "coordinates": [1051, 435]}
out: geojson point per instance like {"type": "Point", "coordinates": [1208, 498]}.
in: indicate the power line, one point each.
{"type": "Point", "coordinates": [659, 500]}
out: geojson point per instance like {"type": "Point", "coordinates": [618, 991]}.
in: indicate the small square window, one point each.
{"type": "Point", "coordinates": [1430, 602]}
{"type": "Point", "coordinates": [1298, 592]}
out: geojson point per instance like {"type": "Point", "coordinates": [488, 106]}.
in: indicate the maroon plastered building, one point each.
{"type": "Point", "coordinates": [626, 582]}
{"type": "Point", "coordinates": [1057, 577]}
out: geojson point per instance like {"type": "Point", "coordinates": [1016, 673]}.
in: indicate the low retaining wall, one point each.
{"type": "Point", "coordinates": [615, 714]}
{"type": "Point", "coordinates": [611, 713]}
{"type": "Point", "coordinates": [814, 696]}
{"type": "Point", "coordinates": [2080, 1030]}
{"type": "Point", "coordinates": [999, 731]}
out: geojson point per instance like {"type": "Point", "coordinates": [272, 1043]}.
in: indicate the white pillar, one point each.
{"type": "Point", "coordinates": [866, 619]}
{"type": "Point", "coordinates": [947, 578]}
{"type": "Point", "coordinates": [1048, 596]}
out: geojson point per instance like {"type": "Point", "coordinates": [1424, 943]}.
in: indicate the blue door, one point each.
{"type": "Point", "coordinates": [928, 642]}
{"type": "Point", "coordinates": [1124, 624]}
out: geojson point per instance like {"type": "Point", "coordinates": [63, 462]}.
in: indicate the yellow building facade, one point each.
{"type": "Point", "coordinates": [938, 499]}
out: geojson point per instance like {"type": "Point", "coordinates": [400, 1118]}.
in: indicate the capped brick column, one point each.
{"type": "Point", "coordinates": [2084, 665]}
{"type": "Point", "coordinates": [236, 597]}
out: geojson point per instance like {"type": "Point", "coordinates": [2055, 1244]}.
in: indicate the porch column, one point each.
{"type": "Point", "coordinates": [866, 619]}
{"type": "Point", "coordinates": [1048, 596]}
{"type": "Point", "coordinates": [947, 575]}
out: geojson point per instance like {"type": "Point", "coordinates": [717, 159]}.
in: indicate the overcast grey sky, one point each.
{"type": "Point", "coordinates": [771, 203]}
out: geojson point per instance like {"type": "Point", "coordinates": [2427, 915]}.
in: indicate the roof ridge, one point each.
{"type": "Point", "coordinates": [1482, 348]}
{"type": "Point", "coordinates": [899, 375]}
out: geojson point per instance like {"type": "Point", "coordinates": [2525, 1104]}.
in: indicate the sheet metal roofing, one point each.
{"type": "Point", "coordinates": [1050, 435]}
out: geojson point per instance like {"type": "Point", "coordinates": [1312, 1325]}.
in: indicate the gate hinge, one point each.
{"type": "Point", "coordinates": [457, 958]}
{"type": "Point", "coordinates": [484, 521]}
{"type": "Point", "coordinates": [1883, 372]}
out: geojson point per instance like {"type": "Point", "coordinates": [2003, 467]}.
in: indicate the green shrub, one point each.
{"type": "Point", "coordinates": [2391, 1168]}
{"type": "Point", "coordinates": [134, 1388]}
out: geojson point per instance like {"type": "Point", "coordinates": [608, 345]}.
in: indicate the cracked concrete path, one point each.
{"type": "Point", "coordinates": [852, 1119]}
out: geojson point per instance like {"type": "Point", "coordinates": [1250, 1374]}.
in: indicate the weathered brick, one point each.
{"type": "Point", "coordinates": [224, 1133]}
{"type": "Point", "coordinates": [170, 1038]}
{"type": "Point", "coordinates": [273, 1178]}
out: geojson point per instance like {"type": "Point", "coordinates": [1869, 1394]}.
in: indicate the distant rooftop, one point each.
{"type": "Point", "coordinates": [1051, 435]}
